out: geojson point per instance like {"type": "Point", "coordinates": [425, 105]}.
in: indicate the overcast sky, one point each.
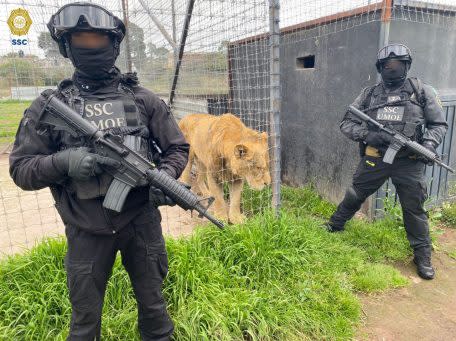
{"type": "Point", "coordinates": [213, 20]}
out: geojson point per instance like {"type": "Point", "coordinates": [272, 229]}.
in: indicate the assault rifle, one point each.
{"type": "Point", "coordinates": [399, 141]}
{"type": "Point", "coordinates": [134, 170]}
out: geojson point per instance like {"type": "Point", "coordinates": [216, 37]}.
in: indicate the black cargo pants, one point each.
{"type": "Point", "coordinates": [407, 176]}
{"type": "Point", "coordinates": [89, 262]}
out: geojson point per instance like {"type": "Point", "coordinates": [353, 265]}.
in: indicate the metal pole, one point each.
{"type": "Point", "coordinates": [188, 16]}
{"type": "Point", "coordinates": [173, 19]}
{"type": "Point", "coordinates": [127, 36]}
{"type": "Point", "coordinates": [275, 101]}
{"type": "Point", "coordinates": [383, 40]}
{"type": "Point", "coordinates": [385, 26]}
{"type": "Point", "coordinates": [158, 24]}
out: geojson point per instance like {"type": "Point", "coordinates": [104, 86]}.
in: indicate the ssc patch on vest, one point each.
{"type": "Point", "coordinates": [105, 114]}
{"type": "Point", "coordinates": [390, 114]}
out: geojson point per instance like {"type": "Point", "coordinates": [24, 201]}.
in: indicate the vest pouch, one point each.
{"type": "Point", "coordinates": [114, 111]}
{"type": "Point", "coordinates": [94, 187]}
{"type": "Point", "coordinates": [410, 130]}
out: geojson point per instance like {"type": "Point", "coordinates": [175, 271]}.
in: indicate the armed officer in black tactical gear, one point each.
{"type": "Point", "coordinates": [413, 108]}
{"type": "Point", "coordinates": [89, 36]}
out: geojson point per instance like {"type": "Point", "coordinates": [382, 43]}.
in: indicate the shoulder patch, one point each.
{"type": "Point", "coordinates": [437, 96]}
{"type": "Point", "coordinates": [438, 100]}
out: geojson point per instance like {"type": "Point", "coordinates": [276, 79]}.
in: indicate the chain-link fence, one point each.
{"type": "Point", "coordinates": [199, 84]}
{"type": "Point", "coordinates": [227, 56]}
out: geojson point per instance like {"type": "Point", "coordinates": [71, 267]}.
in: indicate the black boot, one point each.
{"type": "Point", "coordinates": [422, 260]}
{"type": "Point", "coordinates": [331, 228]}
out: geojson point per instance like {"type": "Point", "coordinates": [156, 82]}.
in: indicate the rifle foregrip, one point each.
{"type": "Point", "coordinates": [172, 188]}
{"type": "Point", "coordinates": [420, 150]}
{"type": "Point", "coordinates": [179, 193]}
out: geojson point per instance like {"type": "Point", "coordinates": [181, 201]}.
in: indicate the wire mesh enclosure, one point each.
{"type": "Point", "coordinates": [182, 51]}
{"type": "Point", "coordinates": [276, 66]}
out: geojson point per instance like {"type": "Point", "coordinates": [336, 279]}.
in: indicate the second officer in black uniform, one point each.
{"type": "Point", "coordinates": [89, 36]}
{"type": "Point", "coordinates": [410, 107]}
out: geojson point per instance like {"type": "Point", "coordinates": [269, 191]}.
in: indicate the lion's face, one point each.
{"type": "Point", "coordinates": [251, 161]}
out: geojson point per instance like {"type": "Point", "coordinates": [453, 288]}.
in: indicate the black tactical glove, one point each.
{"type": "Point", "coordinates": [158, 198]}
{"type": "Point", "coordinates": [429, 145]}
{"type": "Point", "coordinates": [377, 139]}
{"type": "Point", "coordinates": [80, 164]}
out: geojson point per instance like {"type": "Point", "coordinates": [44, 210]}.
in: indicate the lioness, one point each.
{"type": "Point", "coordinates": [225, 150]}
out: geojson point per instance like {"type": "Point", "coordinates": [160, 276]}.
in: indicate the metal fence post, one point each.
{"type": "Point", "coordinates": [275, 94]}
{"type": "Point", "coordinates": [127, 35]}
{"type": "Point", "coordinates": [182, 41]}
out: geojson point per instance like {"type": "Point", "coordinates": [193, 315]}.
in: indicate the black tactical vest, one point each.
{"type": "Point", "coordinates": [401, 109]}
{"type": "Point", "coordinates": [115, 111]}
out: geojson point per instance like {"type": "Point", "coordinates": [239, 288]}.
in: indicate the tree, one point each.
{"type": "Point", "coordinates": [137, 47]}
{"type": "Point", "coordinates": [21, 72]}
{"type": "Point", "coordinates": [157, 52]}
{"type": "Point", "coordinates": [48, 45]}
{"type": "Point", "coordinates": [223, 45]}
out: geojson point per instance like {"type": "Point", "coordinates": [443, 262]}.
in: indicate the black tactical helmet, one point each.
{"type": "Point", "coordinates": [393, 51]}
{"type": "Point", "coordinates": [84, 16]}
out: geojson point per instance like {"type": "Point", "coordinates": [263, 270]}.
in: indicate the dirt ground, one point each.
{"type": "Point", "coordinates": [424, 310]}
{"type": "Point", "coordinates": [26, 217]}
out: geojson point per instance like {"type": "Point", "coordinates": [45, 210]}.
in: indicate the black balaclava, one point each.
{"type": "Point", "coordinates": [93, 63]}
{"type": "Point", "coordinates": [395, 75]}
{"type": "Point", "coordinates": [94, 66]}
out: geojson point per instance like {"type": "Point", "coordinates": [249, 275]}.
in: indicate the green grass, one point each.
{"type": "Point", "coordinates": [449, 214]}
{"type": "Point", "coordinates": [452, 254]}
{"type": "Point", "coordinates": [377, 277]}
{"type": "Point", "coordinates": [11, 112]}
{"type": "Point", "coordinates": [268, 279]}
{"type": "Point", "coordinates": [295, 201]}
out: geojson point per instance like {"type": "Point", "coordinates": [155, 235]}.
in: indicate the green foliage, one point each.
{"type": "Point", "coordinates": [391, 210]}
{"type": "Point", "coordinates": [31, 71]}
{"type": "Point", "coordinates": [449, 214]}
{"type": "Point", "coordinates": [378, 277]}
{"type": "Point", "coordinates": [48, 45]}
{"type": "Point", "coordinates": [137, 48]}
{"type": "Point", "coordinates": [255, 202]}
{"type": "Point", "coordinates": [305, 200]}
{"type": "Point", "coordinates": [381, 240]}
{"type": "Point", "coordinates": [20, 72]}
{"type": "Point", "coordinates": [11, 112]}
{"type": "Point", "coordinates": [452, 254]}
